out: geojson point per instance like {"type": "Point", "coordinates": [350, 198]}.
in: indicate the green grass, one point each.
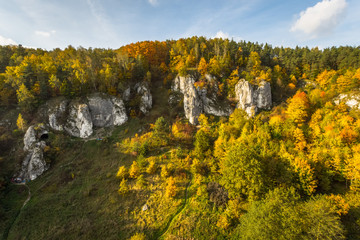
{"type": "Point", "coordinates": [77, 197]}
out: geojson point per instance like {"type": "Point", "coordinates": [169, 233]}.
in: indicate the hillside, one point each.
{"type": "Point", "coordinates": [217, 140]}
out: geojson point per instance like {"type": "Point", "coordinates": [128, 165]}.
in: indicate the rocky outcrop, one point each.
{"type": "Point", "coordinates": [253, 98]}
{"type": "Point", "coordinates": [78, 117]}
{"type": "Point", "coordinates": [143, 90]}
{"type": "Point", "coordinates": [34, 164]}
{"type": "Point", "coordinates": [106, 111]}
{"type": "Point", "coordinates": [57, 115]}
{"type": "Point", "coordinates": [352, 100]}
{"type": "Point", "coordinates": [29, 138]}
{"type": "Point", "coordinates": [198, 100]}
{"type": "Point", "coordinates": [193, 106]}
{"type": "Point", "coordinates": [79, 122]}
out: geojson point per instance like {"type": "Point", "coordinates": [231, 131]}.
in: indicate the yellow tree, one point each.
{"type": "Point", "coordinates": [171, 188]}
{"type": "Point", "coordinates": [202, 67]}
{"type": "Point", "coordinates": [297, 110]}
{"type": "Point", "coordinates": [134, 171]}
{"type": "Point", "coordinates": [254, 64]}
{"type": "Point", "coordinates": [20, 123]}
{"type": "Point", "coordinates": [123, 187]}
{"type": "Point", "coordinates": [122, 172]}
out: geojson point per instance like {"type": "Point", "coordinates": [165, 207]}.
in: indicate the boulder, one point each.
{"type": "Point", "coordinates": [143, 90]}
{"type": "Point", "coordinates": [79, 122]}
{"type": "Point", "coordinates": [252, 98]}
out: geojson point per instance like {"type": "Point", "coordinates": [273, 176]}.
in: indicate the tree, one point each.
{"type": "Point", "coordinates": [123, 188]}
{"type": "Point", "coordinates": [151, 169]}
{"type": "Point", "coordinates": [134, 170]}
{"type": "Point", "coordinates": [20, 123]}
{"type": "Point", "coordinates": [122, 172]}
{"type": "Point", "coordinates": [281, 216]}
{"type": "Point", "coordinates": [298, 107]}
{"type": "Point", "coordinates": [25, 98]}
{"type": "Point", "coordinates": [171, 188]}
{"type": "Point", "coordinates": [202, 67]}
{"type": "Point", "coordinates": [242, 171]}
{"type": "Point", "coordinates": [138, 236]}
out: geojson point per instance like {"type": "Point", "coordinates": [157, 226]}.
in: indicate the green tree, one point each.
{"type": "Point", "coordinates": [242, 171]}
{"type": "Point", "coordinates": [25, 98]}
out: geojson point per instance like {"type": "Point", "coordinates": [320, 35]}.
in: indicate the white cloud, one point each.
{"type": "Point", "coordinates": [7, 41]}
{"type": "Point", "coordinates": [153, 2]}
{"type": "Point", "coordinates": [45, 34]}
{"type": "Point", "coordinates": [320, 19]}
{"type": "Point", "coordinates": [221, 34]}
{"type": "Point", "coordinates": [224, 35]}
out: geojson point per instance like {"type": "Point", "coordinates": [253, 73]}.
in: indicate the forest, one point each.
{"type": "Point", "coordinates": [292, 172]}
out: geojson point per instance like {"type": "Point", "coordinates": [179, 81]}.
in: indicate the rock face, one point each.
{"type": "Point", "coordinates": [252, 98]}
{"type": "Point", "coordinates": [56, 114]}
{"type": "Point", "coordinates": [197, 100]}
{"type": "Point", "coordinates": [352, 100]}
{"type": "Point", "coordinates": [193, 106]}
{"type": "Point", "coordinates": [106, 111]}
{"type": "Point", "coordinates": [29, 138]}
{"type": "Point", "coordinates": [34, 164]}
{"type": "Point", "coordinates": [79, 123]}
{"type": "Point", "coordinates": [78, 118]}
{"type": "Point", "coordinates": [146, 98]}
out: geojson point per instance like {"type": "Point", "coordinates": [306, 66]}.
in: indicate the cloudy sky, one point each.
{"type": "Point", "coordinates": [112, 23]}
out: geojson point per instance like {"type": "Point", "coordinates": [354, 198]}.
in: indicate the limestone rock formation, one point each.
{"type": "Point", "coordinates": [106, 111]}
{"type": "Point", "coordinates": [78, 118]}
{"type": "Point", "coordinates": [193, 106]}
{"type": "Point", "coordinates": [198, 100]}
{"type": "Point", "coordinates": [56, 114]}
{"type": "Point", "coordinates": [146, 98]}
{"type": "Point", "coordinates": [79, 122]}
{"type": "Point", "coordinates": [252, 98]}
{"type": "Point", "coordinates": [29, 138]}
{"type": "Point", "coordinates": [34, 164]}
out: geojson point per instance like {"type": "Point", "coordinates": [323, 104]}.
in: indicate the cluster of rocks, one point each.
{"type": "Point", "coordinates": [77, 118]}
{"type": "Point", "coordinates": [251, 98]}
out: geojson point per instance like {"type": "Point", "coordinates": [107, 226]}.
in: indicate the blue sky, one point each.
{"type": "Point", "coordinates": [112, 23]}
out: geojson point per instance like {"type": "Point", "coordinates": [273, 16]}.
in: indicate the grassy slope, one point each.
{"type": "Point", "coordinates": [77, 197]}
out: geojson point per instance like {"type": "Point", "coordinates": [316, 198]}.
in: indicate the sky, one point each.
{"type": "Point", "coordinates": [52, 24]}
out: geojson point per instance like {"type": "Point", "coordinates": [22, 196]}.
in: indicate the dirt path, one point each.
{"type": "Point", "coordinates": [180, 210]}
{"type": "Point", "coordinates": [28, 198]}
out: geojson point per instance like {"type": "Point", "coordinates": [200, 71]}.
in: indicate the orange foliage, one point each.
{"type": "Point", "coordinates": [155, 52]}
